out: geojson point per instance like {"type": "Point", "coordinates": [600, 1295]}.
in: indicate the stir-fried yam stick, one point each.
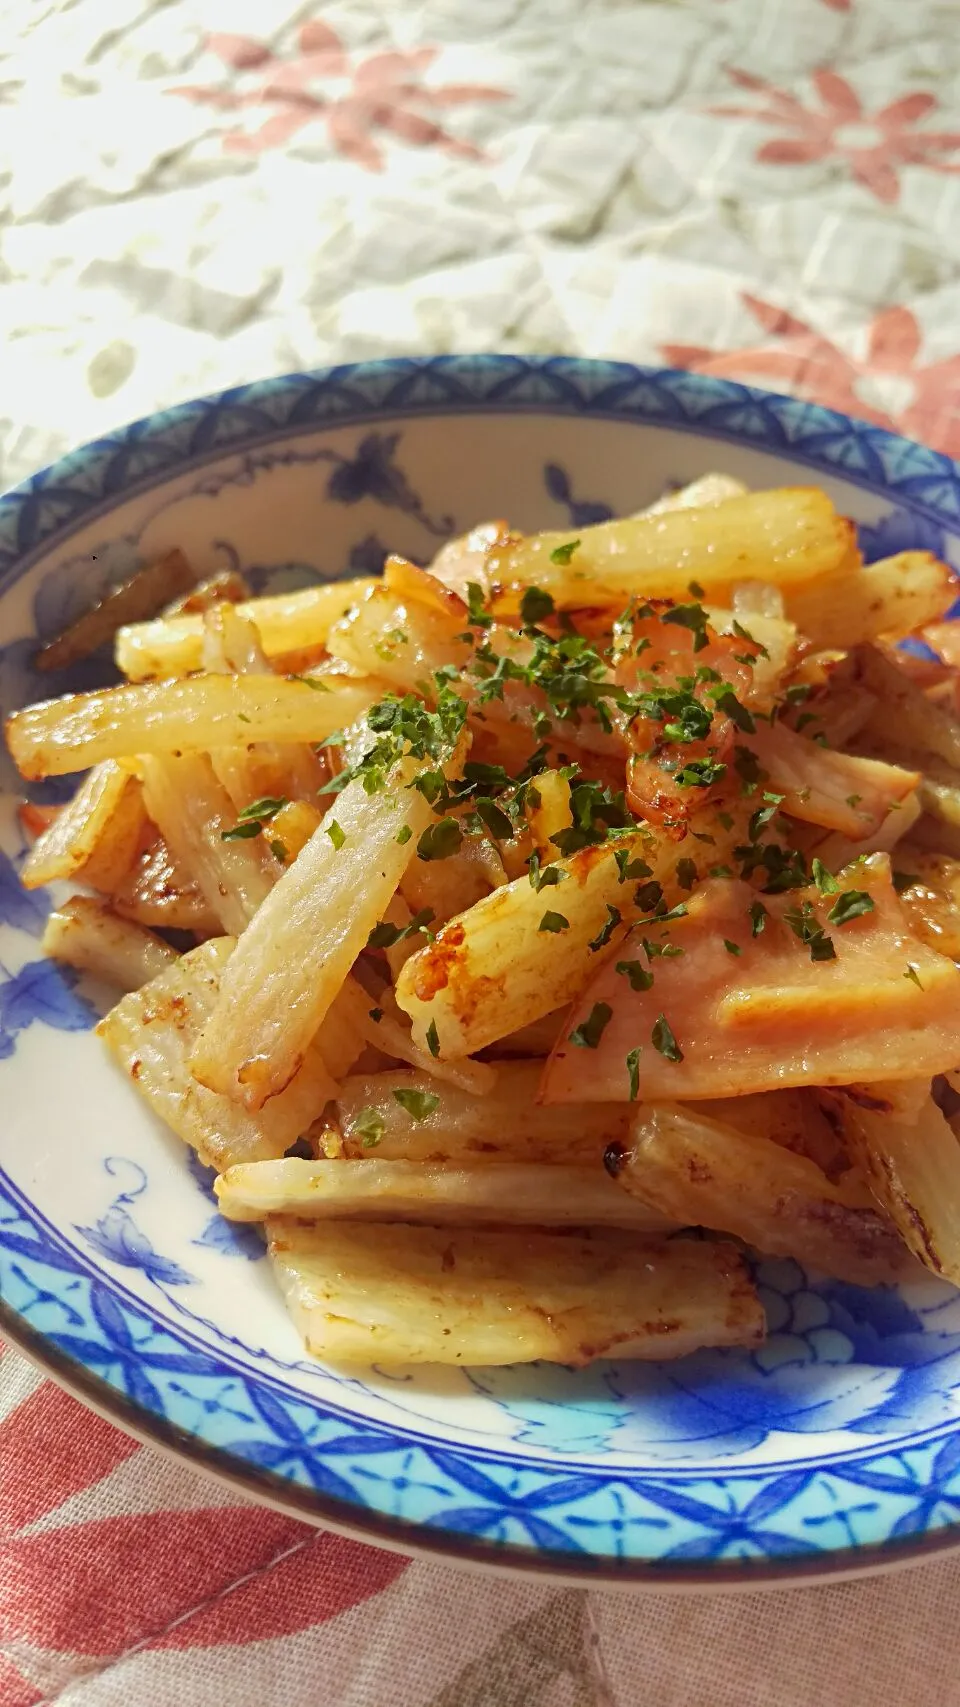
{"type": "Point", "coordinates": [505, 1195]}
{"type": "Point", "coordinates": [87, 935]}
{"type": "Point", "coordinates": [253, 769]}
{"type": "Point", "coordinates": [157, 892]}
{"type": "Point", "coordinates": [201, 713]}
{"type": "Point", "coordinates": [708, 489]}
{"type": "Point", "coordinates": [396, 1295]}
{"type": "Point", "coordinates": [151, 1033]}
{"type": "Point", "coordinates": [902, 715]}
{"type": "Point", "coordinates": [95, 838]}
{"type": "Point", "coordinates": [303, 941]}
{"type": "Point", "coordinates": [193, 813]}
{"type": "Point", "coordinates": [699, 1171]}
{"type": "Point", "coordinates": [839, 791]}
{"type": "Point", "coordinates": [286, 622]}
{"type": "Point", "coordinates": [416, 1118]}
{"type": "Point", "coordinates": [913, 1168]}
{"type": "Point", "coordinates": [145, 593]}
{"type": "Point", "coordinates": [787, 536]}
{"type": "Point", "coordinates": [893, 597]}
{"type": "Point", "coordinates": [523, 951]}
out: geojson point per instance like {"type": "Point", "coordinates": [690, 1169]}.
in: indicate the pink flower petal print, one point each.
{"type": "Point", "coordinates": [87, 1450]}
{"type": "Point", "coordinates": [907, 110]}
{"type": "Point", "coordinates": [385, 92]}
{"type": "Point", "coordinates": [837, 96]}
{"type": "Point", "coordinates": [823, 132]}
{"type": "Point", "coordinates": [240, 52]}
{"type": "Point", "coordinates": [792, 151]}
{"type": "Point", "coordinates": [894, 341]}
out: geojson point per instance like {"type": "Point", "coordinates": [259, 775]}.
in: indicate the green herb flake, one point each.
{"type": "Point", "coordinates": [636, 973]}
{"type": "Point", "coordinates": [370, 1127]}
{"type": "Point", "coordinates": [278, 849]}
{"type": "Point", "coordinates": [695, 590]}
{"type": "Point", "coordinates": [251, 819]}
{"type": "Point", "coordinates": [913, 975]}
{"type": "Point", "coordinates": [543, 876]}
{"type": "Point", "coordinates": [728, 703]}
{"type": "Point", "coordinates": [242, 717]}
{"type": "Point", "coordinates": [535, 605]}
{"type": "Point", "coordinates": [313, 682]}
{"type": "Point", "coordinates": [384, 935]}
{"type": "Point", "coordinates": [418, 1104]}
{"type": "Point", "coordinates": [824, 880]}
{"type": "Point", "coordinates": [554, 922]}
{"type": "Point", "coordinates": [440, 840]}
{"type": "Point", "coordinates": [805, 925]}
{"type": "Point", "coordinates": [664, 1041]}
{"type": "Point", "coordinates": [852, 904]}
{"type": "Point", "coordinates": [630, 868]}
{"type": "Point", "coordinates": [606, 930]}
{"type": "Point", "coordinates": [433, 1039]}
{"type": "Point", "coordinates": [693, 617]}
{"type": "Point", "coordinates": [376, 1014]}
{"type": "Point", "coordinates": [731, 947]}
{"type": "Point", "coordinates": [686, 873]}
{"type": "Point", "coordinates": [562, 554]}
{"type": "Point", "coordinates": [853, 800]}
{"type": "Point", "coordinates": [588, 1035]}
{"type": "Point", "coordinates": [476, 606]}
{"type": "Point", "coordinates": [758, 917]}
{"type": "Point", "coordinates": [336, 835]}
{"type": "Point", "coordinates": [633, 1073]}
{"type": "Point", "coordinates": [403, 834]}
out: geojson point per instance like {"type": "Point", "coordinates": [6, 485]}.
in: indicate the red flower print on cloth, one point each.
{"type": "Point", "coordinates": [871, 145]}
{"type": "Point", "coordinates": [166, 1578]}
{"type": "Point", "coordinates": [889, 385]}
{"type": "Point", "coordinates": [354, 97]}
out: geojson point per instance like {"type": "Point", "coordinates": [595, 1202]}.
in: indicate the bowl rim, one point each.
{"type": "Point", "coordinates": [53, 504]}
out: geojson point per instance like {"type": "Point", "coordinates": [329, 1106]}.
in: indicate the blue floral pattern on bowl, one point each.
{"type": "Point", "coordinates": [835, 1444]}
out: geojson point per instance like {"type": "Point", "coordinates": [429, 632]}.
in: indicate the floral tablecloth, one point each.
{"type": "Point", "coordinates": [198, 192]}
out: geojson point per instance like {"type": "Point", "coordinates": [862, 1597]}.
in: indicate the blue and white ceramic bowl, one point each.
{"type": "Point", "coordinates": [835, 1447]}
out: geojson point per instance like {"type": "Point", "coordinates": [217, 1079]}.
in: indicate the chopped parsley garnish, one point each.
{"type": "Point", "coordinates": [418, 1104]}
{"type": "Point", "coordinates": [633, 1072]}
{"type": "Point", "coordinates": [554, 922]}
{"type": "Point", "coordinates": [543, 876]}
{"type": "Point", "coordinates": [403, 834]}
{"type": "Point", "coordinates": [588, 1035]}
{"type": "Point", "coordinates": [731, 947]}
{"type": "Point", "coordinates": [854, 800]}
{"type": "Point", "coordinates": [850, 905]}
{"type": "Point", "coordinates": [686, 873]}
{"type": "Point", "coordinates": [433, 1039]}
{"type": "Point", "coordinates": [561, 554]}
{"type": "Point", "coordinates": [337, 836]}
{"type": "Point", "coordinates": [693, 617]}
{"type": "Point", "coordinates": [251, 819]}
{"type": "Point", "coordinates": [648, 896]}
{"type": "Point", "coordinates": [913, 975]}
{"type": "Point", "coordinates": [728, 702]}
{"type": "Point", "coordinates": [384, 935]}
{"type": "Point", "coordinates": [370, 1127]}
{"type": "Point", "coordinates": [278, 849]}
{"type": "Point", "coordinates": [700, 773]}
{"type": "Point", "coordinates": [476, 606]}
{"type": "Point", "coordinates": [493, 818]}
{"type": "Point", "coordinates": [758, 917]}
{"type": "Point", "coordinates": [695, 590]}
{"type": "Point", "coordinates": [824, 880]}
{"type": "Point", "coordinates": [440, 840]}
{"type": "Point", "coordinates": [606, 930]}
{"type": "Point", "coordinates": [805, 925]}
{"type": "Point", "coordinates": [630, 868]}
{"type": "Point", "coordinates": [663, 1040]}
{"type": "Point", "coordinates": [660, 950]}
{"type": "Point", "coordinates": [744, 634]}
{"type": "Point", "coordinates": [535, 605]}
{"type": "Point", "coordinates": [376, 1014]}
{"type": "Point", "coordinates": [313, 682]}
{"type": "Point", "coordinates": [637, 974]}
